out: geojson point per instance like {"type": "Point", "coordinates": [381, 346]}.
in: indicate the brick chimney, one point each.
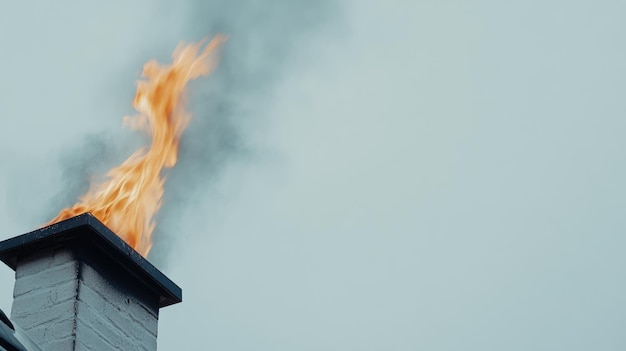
{"type": "Point", "coordinates": [78, 286]}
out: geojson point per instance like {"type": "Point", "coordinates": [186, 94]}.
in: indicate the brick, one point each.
{"type": "Point", "coordinates": [45, 298]}
{"type": "Point", "coordinates": [90, 340]}
{"type": "Point", "coordinates": [88, 320]}
{"type": "Point", "coordinates": [33, 263]}
{"type": "Point", "coordinates": [46, 279]}
{"type": "Point", "coordinates": [96, 282]}
{"type": "Point", "coordinates": [61, 256]}
{"type": "Point", "coordinates": [63, 303]}
{"type": "Point", "coordinates": [119, 316]}
{"type": "Point", "coordinates": [27, 318]}
{"type": "Point", "coordinates": [126, 303]}
{"type": "Point", "coordinates": [59, 344]}
{"type": "Point", "coordinates": [53, 331]}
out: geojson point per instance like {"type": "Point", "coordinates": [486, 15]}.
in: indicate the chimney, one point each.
{"type": "Point", "coordinates": [78, 286]}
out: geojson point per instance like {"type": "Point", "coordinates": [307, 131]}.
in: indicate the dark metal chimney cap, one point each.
{"type": "Point", "coordinates": [88, 232]}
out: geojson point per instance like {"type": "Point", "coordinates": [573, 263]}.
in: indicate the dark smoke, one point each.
{"type": "Point", "coordinates": [78, 170]}
{"type": "Point", "coordinates": [262, 37]}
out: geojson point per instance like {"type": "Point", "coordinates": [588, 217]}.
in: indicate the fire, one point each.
{"type": "Point", "coordinates": [130, 194]}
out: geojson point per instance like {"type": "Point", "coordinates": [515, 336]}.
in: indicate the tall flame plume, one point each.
{"type": "Point", "coordinates": [130, 195]}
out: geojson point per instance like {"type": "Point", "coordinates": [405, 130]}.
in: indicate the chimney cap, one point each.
{"type": "Point", "coordinates": [90, 233]}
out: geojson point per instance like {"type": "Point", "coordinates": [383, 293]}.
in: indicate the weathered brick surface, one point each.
{"type": "Point", "coordinates": [53, 332]}
{"type": "Point", "coordinates": [41, 299]}
{"type": "Point", "coordinates": [131, 299]}
{"type": "Point", "coordinates": [43, 260]}
{"type": "Point", "coordinates": [89, 340]}
{"type": "Point", "coordinates": [119, 317]}
{"type": "Point", "coordinates": [46, 280]}
{"type": "Point", "coordinates": [65, 304]}
{"type": "Point", "coordinates": [28, 319]}
{"type": "Point", "coordinates": [59, 344]}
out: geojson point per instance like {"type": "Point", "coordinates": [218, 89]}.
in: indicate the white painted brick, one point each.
{"type": "Point", "coordinates": [119, 316]}
{"type": "Point", "coordinates": [89, 340]}
{"type": "Point", "coordinates": [147, 322]}
{"type": "Point", "coordinates": [46, 279]}
{"type": "Point", "coordinates": [33, 263]}
{"type": "Point", "coordinates": [62, 255]}
{"type": "Point", "coordinates": [45, 298]}
{"type": "Point", "coordinates": [43, 260]}
{"type": "Point", "coordinates": [89, 321]}
{"type": "Point", "coordinates": [113, 334]}
{"type": "Point", "coordinates": [95, 281]}
{"type": "Point", "coordinates": [27, 318]}
{"type": "Point", "coordinates": [59, 344]}
{"type": "Point", "coordinates": [65, 305]}
{"type": "Point", "coordinates": [53, 331]}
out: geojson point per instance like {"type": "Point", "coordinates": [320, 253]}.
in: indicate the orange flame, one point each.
{"type": "Point", "coordinates": [130, 195]}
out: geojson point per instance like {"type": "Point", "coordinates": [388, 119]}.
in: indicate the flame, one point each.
{"type": "Point", "coordinates": [130, 194]}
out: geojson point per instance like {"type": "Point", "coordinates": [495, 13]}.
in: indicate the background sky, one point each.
{"type": "Point", "coordinates": [359, 175]}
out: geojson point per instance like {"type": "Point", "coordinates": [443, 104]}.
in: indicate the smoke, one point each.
{"type": "Point", "coordinates": [262, 38]}
{"type": "Point", "coordinates": [78, 170]}
{"type": "Point", "coordinates": [453, 180]}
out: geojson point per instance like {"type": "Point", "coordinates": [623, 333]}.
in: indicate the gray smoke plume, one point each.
{"type": "Point", "coordinates": [262, 36]}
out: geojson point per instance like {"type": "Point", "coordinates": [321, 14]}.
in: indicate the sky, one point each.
{"type": "Point", "coordinates": [358, 175]}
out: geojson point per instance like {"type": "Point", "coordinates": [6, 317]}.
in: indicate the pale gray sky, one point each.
{"type": "Point", "coordinates": [360, 175]}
